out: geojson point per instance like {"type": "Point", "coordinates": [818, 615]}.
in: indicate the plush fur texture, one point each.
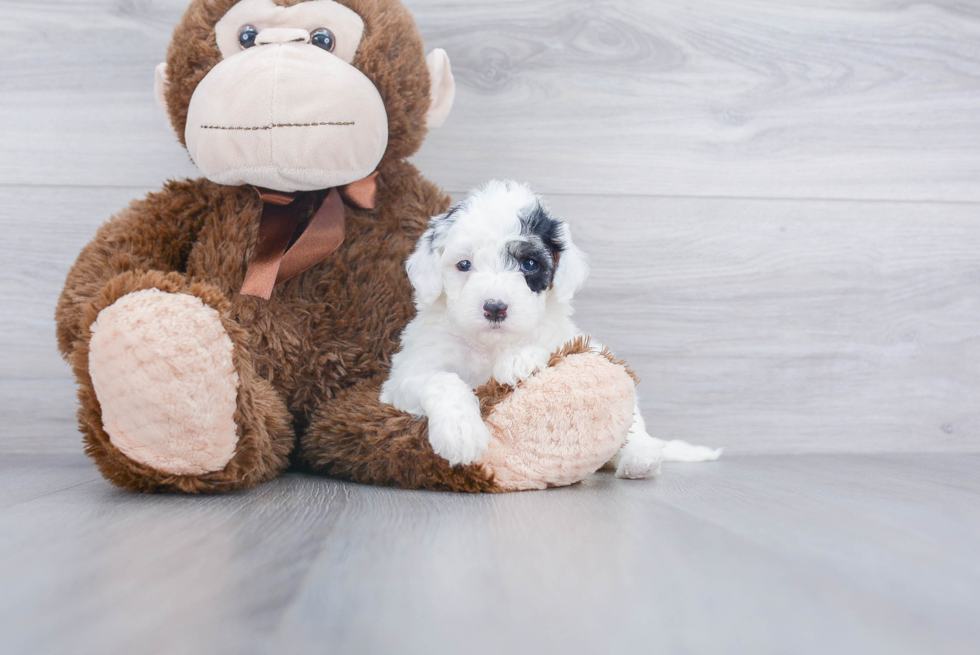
{"type": "Point", "coordinates": [590, 401]}
{"type": "Point", "coordinates": [580, 404]}
{"type": "Point", "coordinates": [325, 331]}
{"type": "Point", "coordinates": [264, 425]}
{"type": "Point", "coordinates": [310, 361]}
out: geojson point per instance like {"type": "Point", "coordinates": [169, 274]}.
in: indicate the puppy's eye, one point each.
{"type": "Point", "coordinates": [246, 36]}
{"type": "Point", "coordinates": [323, 38]}
{"type": "Point", "coordinates": [464, 265]}
{"type": "Point", "coordinates": [529, 266]}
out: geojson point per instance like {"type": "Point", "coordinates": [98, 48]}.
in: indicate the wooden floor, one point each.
{"type": "Point", "coordinates": [761, 554]}
{"type": "Point", "coordinates": [781, 200]}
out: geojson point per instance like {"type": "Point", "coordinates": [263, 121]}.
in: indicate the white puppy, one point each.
{"type": "Point", "coordinates": [494, 279]}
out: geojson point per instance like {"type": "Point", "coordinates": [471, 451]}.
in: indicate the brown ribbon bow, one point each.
{"type": "Point", "coordinates": [286, 246]}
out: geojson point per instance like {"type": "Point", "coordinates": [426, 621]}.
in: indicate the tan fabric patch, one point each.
{"type": "Point", "coordinates": [162, 368]}
{"type": "Point", "coordinates": [561, 425]}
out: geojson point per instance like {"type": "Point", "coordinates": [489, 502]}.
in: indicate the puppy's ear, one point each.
{"type": "Point", "coordinates": [573, 268]}
{"type": "Point", "coordinates": [423, 269]}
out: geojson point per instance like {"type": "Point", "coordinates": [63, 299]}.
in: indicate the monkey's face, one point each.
{"type": "Point", "coordinates": [284, 107]}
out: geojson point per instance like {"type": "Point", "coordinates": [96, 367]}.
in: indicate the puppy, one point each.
{"type": "Point", "coordinates": [494, 278]}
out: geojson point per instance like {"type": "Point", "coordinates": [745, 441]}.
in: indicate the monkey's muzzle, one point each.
{"type": "Point", "coordinates": [289, 117]}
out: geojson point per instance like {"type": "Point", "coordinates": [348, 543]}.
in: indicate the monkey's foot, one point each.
{"type": "Point", "coordinates": [161, 364]}
{"type": "Point", "coordinates": [561, 425]}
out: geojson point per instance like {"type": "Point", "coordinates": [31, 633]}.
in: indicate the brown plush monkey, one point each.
{"type": "Point", "coordinates": [301, 115]}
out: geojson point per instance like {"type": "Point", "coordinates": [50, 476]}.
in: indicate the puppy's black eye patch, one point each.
{"type": "Point", "coordinates": [535, 262]}
{"type": "Point", "coordinates": [537, 256]}
{"type": "Point", "coordinates": [538, 224]}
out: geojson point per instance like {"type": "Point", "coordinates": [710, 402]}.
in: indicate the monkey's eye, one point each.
{"type": "Point", "coordinates": [323, 38]}
{"type": "Point", "coordinates": [464, 265]}
{"type": "Point", "coordinates": [246, 36]}
{"type": "Point", "coordinates": [529, 266]}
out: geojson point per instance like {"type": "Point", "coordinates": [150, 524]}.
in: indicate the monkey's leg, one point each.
{"type": "Point", "coordinates": [556, 428]}
{"type": "Point", "coordinates": [169, 400]}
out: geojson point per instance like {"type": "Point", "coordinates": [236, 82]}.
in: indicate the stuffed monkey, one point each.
{"type": "Point", "coordinates": [225, 328]}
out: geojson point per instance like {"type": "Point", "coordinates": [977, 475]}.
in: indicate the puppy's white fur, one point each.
{"type": "Point", "coordinates": [453, 345]}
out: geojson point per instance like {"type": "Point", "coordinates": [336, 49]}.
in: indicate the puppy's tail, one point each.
{"type": "Point", "coordinates": [681, 451]}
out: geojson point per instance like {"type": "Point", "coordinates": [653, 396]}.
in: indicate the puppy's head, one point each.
{"type": "Point", "coordinates": [496, 260]}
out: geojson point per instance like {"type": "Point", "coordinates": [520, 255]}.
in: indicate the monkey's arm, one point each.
{"type": "Point", "coordinates": [556, 428]}
{"type": "Point", "coordinates": [357, 437]}
{"type": "Point", "coordinates": [153, 234]}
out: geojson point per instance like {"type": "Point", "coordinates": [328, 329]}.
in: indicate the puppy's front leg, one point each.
{"type": "Point", "coordinates": [516, 364]}
{"type": "Point", "coordinates": [456, 428]}
{"type": "Point", "coordinates": [640, 457]}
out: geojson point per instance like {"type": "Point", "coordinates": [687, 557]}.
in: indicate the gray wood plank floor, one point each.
{"type": "Point", "coordinates": [781, 202]}
{"type": "Point", "coordinates": [763, 554]}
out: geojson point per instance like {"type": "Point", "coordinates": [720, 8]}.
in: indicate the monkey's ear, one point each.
{"type": "Point", "coordinates": [573, 268]}
{"type": "Point", "coordinates": [423, 270]}
{"type": "Point", "coordinates": [443, 90]}
{"type": "Point", "coordinates": [160, 86]}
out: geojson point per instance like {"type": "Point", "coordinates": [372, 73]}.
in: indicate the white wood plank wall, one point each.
{"type": "Point", "coordinates": [781, 199]}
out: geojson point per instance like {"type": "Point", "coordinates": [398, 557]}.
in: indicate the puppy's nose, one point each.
{"type": "Point", "coordinates": [495, 310]}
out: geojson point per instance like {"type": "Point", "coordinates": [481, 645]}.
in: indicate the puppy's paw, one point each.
{"type": "Point", "coordinates": [516, 365]}
{"type": "Point", "coordinates": [461, 437]}
{"type": "Point", "coordinates": [639, 458]}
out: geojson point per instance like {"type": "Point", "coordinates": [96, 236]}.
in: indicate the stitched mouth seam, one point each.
{"type": "Point", "coordinates": [269, 127]}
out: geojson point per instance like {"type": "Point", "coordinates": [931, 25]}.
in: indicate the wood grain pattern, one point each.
{"type": "Point", "coordinates": [827, 99]}
{"type": "Point", "coordinates": [816, 554]}
{"type": "Point", "coordinates": [788, 326]}
{"type": "Point", "coordinates": [39, 415]}
{"type": "Point", "coordinates": [153, 574]}
{"type": "Point", "coordinates": [44, 230]}
{"type": "Point", "coordinates": [77, 106]}
{"type": "Point", "coordinates": [28, 477]}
